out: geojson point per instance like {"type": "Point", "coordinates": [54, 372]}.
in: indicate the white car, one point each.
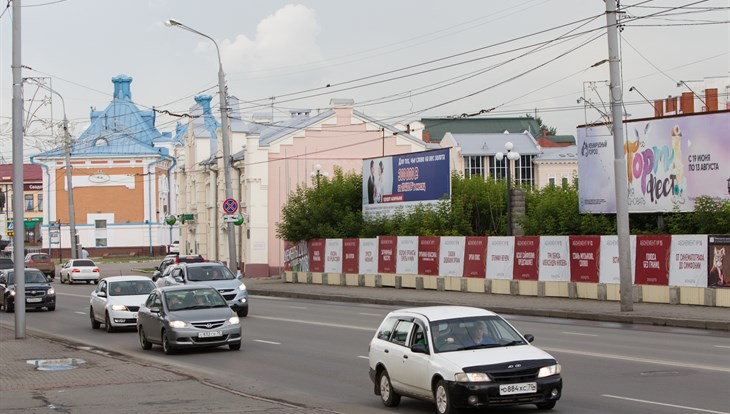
{"type": "Point", "coordinates": [83, 270]}
{"type": "Point", "coordinates": [460, 357]}
{"type": "Point", "coordinates": [174, 247]}
{"type": "Point", "coordinates": [116, 301]}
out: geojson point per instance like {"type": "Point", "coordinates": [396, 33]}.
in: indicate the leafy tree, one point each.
{"type": "Point", "coordinates": [711, 216]}
{"type": "Point", "coordinates": [550, 130]}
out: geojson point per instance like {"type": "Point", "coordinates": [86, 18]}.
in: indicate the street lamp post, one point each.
{"type": "Point", "coordinates": [511, 156]}
{"type": "Point", "coordinates": [232, 258]}
{"type": "Point", "coordinates": [317, 173]}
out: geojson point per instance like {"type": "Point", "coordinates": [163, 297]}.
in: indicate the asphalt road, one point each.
{"type": "Point", "coordinates": [315, 353]}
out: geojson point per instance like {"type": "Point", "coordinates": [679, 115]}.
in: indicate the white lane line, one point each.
{"type": "Point", "coordinates": [722, 346]}
{"type": "Point", "coordinates": [578, 334]}
{"type": "Point", "coordinates": [363, 357]}
{"type": "Point", "coordinates": [331, 325]}
{"type": "Point", "coordinates": [369, 314]}
{"type": "Point", "coordinates": [664, 404]}
{"type": "Point", "coordinates": [81, 313]}
{"type": "Point", "coordinates": [267, 342]}
{"type": "Point", "coordinates": [636, 359]}
{"type": "Point", "coordinates": [296, 307]}
{"type": "Point", "coordinates": [74, 295]}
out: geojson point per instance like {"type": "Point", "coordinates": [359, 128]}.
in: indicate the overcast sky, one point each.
{"type": "Point", "coordinates": [398, 60]}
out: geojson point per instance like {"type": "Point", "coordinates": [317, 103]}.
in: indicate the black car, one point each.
{"type": "Point", "coordinates": [6, 263]}
{"type": "Point", "coordinates": [38, 292]}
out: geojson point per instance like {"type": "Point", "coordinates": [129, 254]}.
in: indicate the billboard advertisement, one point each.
{"type": "Point", "coordinates": [350, 250]}
{"type": "Point", "coordinates": [368, 256]}
{"type": "Point", "coordinates": [500, 256]}
{"type": "Point", "coordinates": [451, 256]}
{"type": "Point", "coordinates": [475, 257]}
{"type": "Point", "coordinates": [585, 252]}
{"type": "Point", "coordinates": [652, 259]}
{"type": "Point", "coordinates": [316, 255]}
{"type": "Point", "coordinates": [428, 255]}
{"type": "Point", "coordinates": [405, 181]}
{"type": "Point", "coordinates": [333, 254]}
{"type": "Point", "coordinates": [670, 162]}
{"type": "Point", "coordinates": [407, 259]}
{"type": "Point", "coordinates": [688, 261]}
{"type": "Point", "coordinates": [386, 254]}
{"type": "Point", "coordinates": [527, 253]}
{"type": "Point", "coordinates": [296, 256]}
{"type": "Point", "coordinates": [719, 273]}
{"type": "Point", "coordinates": [554, 259]}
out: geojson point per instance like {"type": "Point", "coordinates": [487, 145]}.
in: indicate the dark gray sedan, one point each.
{"type": "Point", "coordinates": [184, 317]}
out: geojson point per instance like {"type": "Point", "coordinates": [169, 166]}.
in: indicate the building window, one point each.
{"type": "Point", "coordinates": [29, 202]}
{"type": "Point", "coordinates": [523, 170]}
{"type": "Point", "coordinates": [497, 168]}
{"type": "Point", "coordinates": [100, 233]}
{"type": "Point", "coordinates": [551, 180]}
{"type": "Point", "coordinates": [40, 202]}
{"type": "Point", "coordinates": [473, 166]}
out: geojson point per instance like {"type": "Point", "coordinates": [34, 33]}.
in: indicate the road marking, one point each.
{"type": "Point", "coordinates": [299, 321]}
{"type": "Point", "coordinates": [81, 313]}
{"type": "Point", "coordinates": [722, 346]}
{"type": "Point", "coordinates": [578, 334]}
{"type": "Point", "coordinates": [636, 359]}
{"type": "Point", "coordinates": [369, 314]}
{"type": "Point", "coordinates": [664, 404]}
{"type": "Point", "coordinates": [296, 307]}
{"type": "Point", "coordinates": [363, 357]}
{"type": "Point", "coordinates": [267, 342]}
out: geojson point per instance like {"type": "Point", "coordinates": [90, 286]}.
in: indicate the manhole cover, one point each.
{"type": "Point", "coordinates": [57, 364]}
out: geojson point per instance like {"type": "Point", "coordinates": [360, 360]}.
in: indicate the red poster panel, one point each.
{"type": "Point", "coordinates": [316, 255]}
{"type": "Point", "coordinates": [351, 256]}
{"type": "Point", "coordinates": [585, 258]}
{"type": "Point", "coordinates": [475, 257]}
{"type": "Point", "coordinates": [428, 255]}
{"type": "Point", "coordinates": [652, 259]}
{"type": "Point", "coordinates": [527, 253]}
{"type": "Point", "coordinates": [386, 253]}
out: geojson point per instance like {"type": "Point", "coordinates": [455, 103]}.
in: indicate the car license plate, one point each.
{"type": "Point", "coordinates": [210, 334]}
{"type": "Point", "coordinates": [134, 315]}
{"type": "Point", "coordinates": [34, 299]}
{"type": "Point", "coordinates": [523, 388]}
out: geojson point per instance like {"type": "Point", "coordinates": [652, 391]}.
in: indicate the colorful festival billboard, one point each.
{"type": "Point", "coordinates": [405, 181]}
{"type": "Point", "coordinates": [670, 162]}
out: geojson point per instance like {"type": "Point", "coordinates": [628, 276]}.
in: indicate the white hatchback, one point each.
{"type": "Point", "coordinates": [460, 357]}
{"type": "Point", "coordinates": [84, 270]}
{"type": "Point", "coordinates": [116, 301]}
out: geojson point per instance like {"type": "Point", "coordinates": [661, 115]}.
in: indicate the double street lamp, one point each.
{"type": "Point", "coordinates": [232, 262]}
{"type": "Point", "coordinates": [317, 173]}
{"type": "Point", "coordinates": [511, 156]}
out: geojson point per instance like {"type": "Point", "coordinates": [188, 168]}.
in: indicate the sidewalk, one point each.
{"type": "Point", "coordinates": [683, 316]}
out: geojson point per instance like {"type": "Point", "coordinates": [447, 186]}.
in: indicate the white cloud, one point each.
{"type": "Point", "coordinates": [286, 38]}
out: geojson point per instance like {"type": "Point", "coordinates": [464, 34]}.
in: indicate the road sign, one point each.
{"type": "Point", "coordinates": [10, 226]}
{"type": "Point", "coordinates": [230, 206]}
{"type": "Point", "coordinates": [231, 218]}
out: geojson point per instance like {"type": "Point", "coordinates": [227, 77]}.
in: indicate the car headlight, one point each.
{"type": "Point", "coordinates": [548, 371]}
{"type": "Point", "coordinates": [233, 320]}
{"type": "Point", "coordinates": [119, 307]}
{"type": "Point", "coordinates": [242, 288]}
{"type": "Point", "coordinates": [178, 324]}
{"type": "Point", "coordinates": [51, 291]}
{"type": "Point", "coordinates": [471, 377]}
{"type": "Point", "coordinates": [12, 293]}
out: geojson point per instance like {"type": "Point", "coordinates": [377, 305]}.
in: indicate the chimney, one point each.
{"type": "Point", "coordinates": [711, 99]}
{"type": "Point", "coordinates": [121, 87]}
{"type": "Point", "coordinates": [687, 103]}
{"type": "Point", "coordinates": [670, 106]}
{"type": "Point", "coordinates": [658, 109]}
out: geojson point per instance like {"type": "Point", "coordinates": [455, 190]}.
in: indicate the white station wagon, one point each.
{"type": "Point", "coordinates": [460, 357]}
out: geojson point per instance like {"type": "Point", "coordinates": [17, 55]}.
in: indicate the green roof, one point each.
{"type": "Point", "coordinates": [438, 127]}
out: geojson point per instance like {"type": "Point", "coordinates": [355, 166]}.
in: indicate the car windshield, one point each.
{"type": "Point", "coordinates": [82, 263]}
{"type": "Point", "coordinates": [40, 257]}
{"type": "Point", "coordinates": [131, 287]}
{"type": "Point", "coordinates": [194, 299]}
{"type": "Point", "coordinates": [31, 276]}
{"type": "Point", "coordinates": [207, 273]}
{"type": "Point", "coordinates": [473, 333]}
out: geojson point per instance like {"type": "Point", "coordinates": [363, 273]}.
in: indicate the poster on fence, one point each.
{"type": "Point", "coordinates": [475, 257]}
{"type": "Point", "coordinates": [368, 257]}
{"type": "Point", "coordinates": [584, 258]}
{"type": "Point", "coordinates": [333, 254]}
{"type": "Point", "coordinates": [527, 252]}
{"type": "Point", "coordinates": [407, 258]}
{"type": "Point", "coordinates": [316, 255]}
{"type": "Point", "coordinates": [652, 259]}
{"type": "Point", "coordinates": [296, 256]}
{"type": "Point", "coordinates": [688, 260]}
{"type": "Point", "coordinates": [350, 250]}
{"type": "Point", "coordinates": [718, 249]}
{"type": "Point", "coordinates": [451, 256]}
{"type": "Point", "coordinates": [387, 246]}
{"type": "Point", "coordinates": [500, 256]}
{"type": "Point", "coordinates": [428, 255]}
{"type": "Point", "coordinates": [609, 269]}
{"type": "Point", "coordinates": [554, 255]}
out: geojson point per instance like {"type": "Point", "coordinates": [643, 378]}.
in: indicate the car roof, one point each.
{"type": "Point", "coordinates": [437, 313]}
{"type": "Point", "coordinates": [125, 278]}
{"type": "Point", "coordinates": [176, 288]}
{"type": "Point", "coordinates": [200, 264]}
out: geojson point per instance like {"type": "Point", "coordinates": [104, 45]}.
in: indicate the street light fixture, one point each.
{"type": "Point", "coordinates": [232, 262]}
{"type": "Point", "coordinates": [511, 156]}
{"type": "Point", "coordinates": [680, 83]}
{"type": "Point", "coordinates": [633, 88]}
{"type": "Point", "coordinates": [318, 173]}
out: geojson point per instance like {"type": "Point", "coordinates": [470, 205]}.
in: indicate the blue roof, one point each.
{"type": "Point", "coordinates": [490, 144]}
{"type": "Point", "coordinates": [559, 154]}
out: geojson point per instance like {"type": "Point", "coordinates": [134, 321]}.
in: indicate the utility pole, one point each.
{"type": "Point", "coordinates": [626, 289]}
{"type": "Point", "coordinates": [18, 214]}
{"type": "Point", "coordinates": [70, 190]}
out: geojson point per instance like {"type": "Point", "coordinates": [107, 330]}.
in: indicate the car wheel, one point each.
{"type": "Point", "coordinates": [53, 275]}
{"type": "Point", "coordinates": [389, 397]}
{"type": "Point", "coordinates": [234, 347]}
{"type": "Point", "coordinates": [61, 277]}
{"type": "Point", "coordinates": [94, 323]}
{"type": "Point", "coordinates": [8, 308]}
{"type": "Point", "coordinates": [242, 313]}
{"type": "Point", "coordinates": [52, 308]}
{"type": "Point", "coordinates": [443, 399]}
{"type": "Point", "coordinates": [143, 340]}
{"type": "Point", "coordinates": [166, 345]}
{"type": "Point", "coordinates": [108, 323]}
{"type": "Point", "coordinates": [546, 406]}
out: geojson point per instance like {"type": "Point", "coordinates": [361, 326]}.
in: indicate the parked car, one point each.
{"type": "Point", "coordinates": [172, 259]}
{"type": "Point", "coordinates": [211, 274]}
{"type": "Point", "coordinates": [42, 262]}
{"type": "Point", "coordinates": [6, 263]}
{"type": "Point", "coordinates": [438, 354]}
{"type": "Point", "coordinates": [84, 270]}
{"type": "Point", "coordinates": [38, 292]}
{"type": "Point", "coordinates": [185, 317]}
{"type": "Point", "coordinates": [174, 247]}
{"type": "Point", "coordinates": [116, 301]}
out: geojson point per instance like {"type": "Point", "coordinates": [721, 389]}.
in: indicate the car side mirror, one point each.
{"type": "Point", "coordinates": [178, 279]}
{"type": "Point", "coordinates": [157, 268]}
{"type": "Point", "coordinates": [240, 276]}
{"type": "Point", "coordinates": [529, 337]}
{"type": "Point", "coordinates": [419, 349]}
{"type": "Point", "coordinates": [101, 294]}
{"type": "Point", "coordinates": [155, 310]}
{"type": "Point", "coordinates": [156, 274]}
